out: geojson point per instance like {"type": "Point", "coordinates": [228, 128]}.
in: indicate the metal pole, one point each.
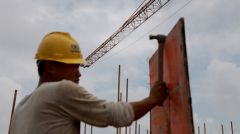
{"type": "Point", "coordinates": [121, 96]}
{"type": "Point", "coordinates": [85, 129]}
{"type": "Point", "coordinates": [232, 127]}
{"type": "Point", "coordinates": [91, 129]}
{"type": "Point", "coordinates": [150, 131]}
{"type": "Point", "coordinates": [120, 100]}
{"type": "Point", "coordinates": [135, 127]}
{"type": "Point", "coordinates": [13, 106]}
{"type": "Point", "coordinates": [139, 129]}
{"type": "Point", "coordinates": [118, 86]}
{"type": "Point", "coordinates": [80, 127]}
{"type": "Point", "coordinates": [130, 130]}
{"type": "Point", "coordinates": [147, 131]}
{"type": "Point", "coordinates": [119, 81]}
{"type": "Point", "coordinates": [127, 91]}
{"type": "Point", "coordinates": [198, 130]}
{"type": "Point", "coordinates": [126, 101]}
{"type": "Point", "coordinates": [222, 129]}
{"type": "Point", "coordinates": [204, 129]}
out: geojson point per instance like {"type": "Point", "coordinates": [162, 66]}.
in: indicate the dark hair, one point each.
{"type": "Point", "coordinates": [41, 66]}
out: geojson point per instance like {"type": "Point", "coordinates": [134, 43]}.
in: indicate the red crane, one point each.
{"type": "Point", "coordinates": [135, 20]}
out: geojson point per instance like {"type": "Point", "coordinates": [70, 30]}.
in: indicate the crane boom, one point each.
{"type": "Point", "coordinates": [144, 13]}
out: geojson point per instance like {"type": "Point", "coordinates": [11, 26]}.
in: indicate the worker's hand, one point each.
{"type": "Point", "coordinates": [159, 92]}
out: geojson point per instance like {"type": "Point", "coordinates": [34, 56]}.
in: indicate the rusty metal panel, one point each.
{"type": "Point", "coordinates": [175, 116]}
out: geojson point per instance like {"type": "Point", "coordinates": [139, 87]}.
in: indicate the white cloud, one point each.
{"type": "Point", "coordinates": [217, 95]}
{"type": "Point", "coordinates": [223, 91]}
{"type": "Point", "coordinates": [8, 87]}
{"type": "Point", "coordinates": [138, 93]}
{"type": "Point", "coordinates": [196, 119]}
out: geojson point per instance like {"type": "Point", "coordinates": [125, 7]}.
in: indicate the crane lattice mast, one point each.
{"type": "Point", "coordinates": [135, 20]}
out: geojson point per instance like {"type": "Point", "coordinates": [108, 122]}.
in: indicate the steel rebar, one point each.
{"type": "Point", "coordinates": [91, 129]}
{"type": "Point", "coordinates": [13, 107]}
{"type": "Point", "coordinates": [198, 130]}
{"type": "Point", "coordinates": [222, 129]}
{"type": "Point", "coordinates": [204, 129]}
{"type": "Point", "coordinates": [232, 127]}
{"type": "Point", "coordinates": [119, 68]}
{"type": "Point", "coordinates": [126, 101]}
{"type": "Point", "coordinates": [135, 127]}
{"type": "Point", "coordinates": [120, 100]}
{"type": "Point", "coordinates": [85, 129]}
{"type": "Point", "coordinates": [139, 129]}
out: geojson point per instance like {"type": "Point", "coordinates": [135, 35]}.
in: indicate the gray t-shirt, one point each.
{"type": "Point", "coordinates": [58, 108]}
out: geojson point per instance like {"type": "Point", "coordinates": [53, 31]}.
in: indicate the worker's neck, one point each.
{"type": "Point", "coordinates": [43, 79]}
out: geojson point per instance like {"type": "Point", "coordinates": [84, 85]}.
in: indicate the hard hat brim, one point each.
{"type": "Point", "coordinates": [72, 61]}
{"type": "Point", "coordinates": [69, 61]}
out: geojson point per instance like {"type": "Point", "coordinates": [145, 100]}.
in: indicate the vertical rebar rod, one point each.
{"type": "Point", "coordinates": [204, 129]}
{"type": "Point", "coordinates": [135, 127]}
{"type": "Point", "coordinates": [119, 81]}
{"type": "Point", "coordinates": [120, 96]}
{"type": "Point", "coordinates": [147, 131]}
{"type": "Point", "coordinates": [126, 101]}
{"type": "Point", "coordinates": [232, 127]}
{"type": "Point", "coordinates": [198, 130]}
{"type": "Point", "coordinates": [222, 129]}
{"type": "Point", "coordinates": [91, 129]}
{"type": "Point", "coordinates": [120, 100]}
{"type": "Point", "coordinates": [80, 127]}
{"type": "Point", "coordinates": [139, 129]}
{"type": "Point", "coordinates": [127, 91]}
{"type": "Point", "coordinates": [119, 68]}
{"type": "Point", "coordinates": [150, 131]}
{"type": "Point", "coordinates": [85, 129]}
{"type": "Point", "coordinates": [130, 130]}
{"type": "Point", "coordinates": [13, 106]}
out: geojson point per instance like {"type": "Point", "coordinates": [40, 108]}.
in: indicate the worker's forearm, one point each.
{"type": "Point", "coordinates": [142, 107]}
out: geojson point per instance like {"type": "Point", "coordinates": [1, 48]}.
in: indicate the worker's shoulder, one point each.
{"type": "Point", "coordinates": [67, 84]}
{"type": "Point", "coordinates": [62, 88]}
{"type": "Point", "coordinates": [69, 87]}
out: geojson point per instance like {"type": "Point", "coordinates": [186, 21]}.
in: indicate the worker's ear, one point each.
{"type": "Point", "coordinates": [49, 67]}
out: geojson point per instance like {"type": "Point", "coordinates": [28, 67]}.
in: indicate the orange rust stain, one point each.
{"type": "Point", "coordinates": [157, 110]}
{"type": "Point", "coordinates": [157, 120]}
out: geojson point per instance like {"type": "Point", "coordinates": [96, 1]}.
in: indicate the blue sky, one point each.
{"type": "Point", "coordinates": [212, 38]}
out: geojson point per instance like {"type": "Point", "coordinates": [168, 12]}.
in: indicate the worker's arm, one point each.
{"type": "Point", "coordinates": [78, 104]}
{"type": "Point", "coordinates": [157, 96]}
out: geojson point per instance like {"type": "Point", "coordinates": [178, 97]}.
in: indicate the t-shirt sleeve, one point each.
{"type": "Point", "coordinates": [78, 104]}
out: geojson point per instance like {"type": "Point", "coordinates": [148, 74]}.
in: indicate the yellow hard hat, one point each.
{"type": "Point", "coordinates": [60, 47]}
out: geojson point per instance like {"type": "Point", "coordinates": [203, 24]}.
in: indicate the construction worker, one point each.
{"type": "Point", "coordinates": [58, 104]}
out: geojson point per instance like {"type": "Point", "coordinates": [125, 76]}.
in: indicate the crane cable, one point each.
{"type": "Point", "coordinates": [147, 32]}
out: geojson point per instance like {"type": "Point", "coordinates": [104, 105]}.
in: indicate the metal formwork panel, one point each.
{"type": "Point", "coordinates": [175, 116]}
